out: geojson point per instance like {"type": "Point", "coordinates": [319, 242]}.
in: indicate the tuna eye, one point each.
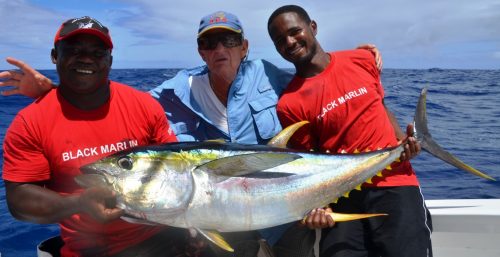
{"type": "Point", "coordinates": [125, 163]}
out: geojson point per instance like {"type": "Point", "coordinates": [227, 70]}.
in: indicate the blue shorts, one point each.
{"type": "Point", "coordinates": [273, 234]}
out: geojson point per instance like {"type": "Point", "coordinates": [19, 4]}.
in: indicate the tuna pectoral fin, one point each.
{"type": "Point", "coordinates": [240, 165]}
{"type": "Point", "coordinates": [216, 238]}
{"type": "Point", "coordinates": [339, 217]}
{"type": "Point", "coordinates": [282, 138]}
{"type": "Point", "coordinates": [91, 180]}
{"type": "Point", "coordinates": [428, 144]}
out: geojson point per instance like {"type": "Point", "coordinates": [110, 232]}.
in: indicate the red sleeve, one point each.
{"type": "Point", "coordinates": [161, 131]}
{"type": "Point", "coordinates": [24, 159]}
{"type": "Point", "coordinates": [366, 60]}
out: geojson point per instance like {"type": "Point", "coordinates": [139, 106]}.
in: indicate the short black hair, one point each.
{"type": "Point", "coordinates": [290, 8]}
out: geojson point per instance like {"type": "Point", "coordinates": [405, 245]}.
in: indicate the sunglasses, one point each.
{"type": "Point", "coordinates": [227, 40]}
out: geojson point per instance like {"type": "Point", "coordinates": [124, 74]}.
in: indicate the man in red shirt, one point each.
{"type": "Point", "coordinates": [340, 94]}
{"type": "Point", "coordinates": [86, 118]}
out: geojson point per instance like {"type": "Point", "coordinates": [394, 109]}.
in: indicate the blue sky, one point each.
{"type": "Point", "coordinates": [418, 34]}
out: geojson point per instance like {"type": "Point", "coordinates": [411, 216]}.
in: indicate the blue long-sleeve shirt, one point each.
{"type": "Point", "coordinates": [251, 104]}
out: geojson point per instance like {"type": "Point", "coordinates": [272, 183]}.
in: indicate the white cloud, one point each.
{"type": "Point", "coordinates": [411, 33]}
{"type": "Point", "coordinates": [25, 25]}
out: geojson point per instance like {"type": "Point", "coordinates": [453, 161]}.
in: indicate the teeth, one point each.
{"type": "Point", "coordinates": [84, 71]}
{"type": "Point", "coordinates": [294, 51]}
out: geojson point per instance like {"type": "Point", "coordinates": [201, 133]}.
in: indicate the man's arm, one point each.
{"type": "Point", "coordinates": [376, 54]}
{"type": "Point", "coordinates": [34, 203]}
{"type": "Point", "coordinates": [28, 82]}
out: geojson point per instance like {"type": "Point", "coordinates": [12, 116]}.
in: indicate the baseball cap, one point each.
{"type": "Point", "coordinates": [220, 19]}
{"type": "Point", "coordinates": [83, 25]}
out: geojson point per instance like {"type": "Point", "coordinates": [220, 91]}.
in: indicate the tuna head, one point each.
{"type": "Point", "coordinates": [146, 182]}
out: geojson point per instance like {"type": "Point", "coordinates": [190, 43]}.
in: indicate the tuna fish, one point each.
{"type": "Point", "coordinates": [218, 186]}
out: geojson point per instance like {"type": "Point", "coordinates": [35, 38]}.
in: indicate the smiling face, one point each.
{"type": "Point", "coordinates": [223, 61]}
{"type": "Point", "coordinates": [83, 63]}
{"type": "Point", "coordinates": [294, 38]}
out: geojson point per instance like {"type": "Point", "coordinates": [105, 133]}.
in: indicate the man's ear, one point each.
{"type": "Point", "coordinates": [53, 56]}
{"type": "Point", "coordinates": [244, 48]}
{"type": "Point", "coordinates": [201, 55]}
{"type": "Point", "coordinates": [314, 27]}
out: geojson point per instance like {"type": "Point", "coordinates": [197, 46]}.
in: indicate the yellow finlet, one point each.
{"type": "Point", "coordinates": [356, 151]}
{"type": "Point", "coordinates": [388, 167]}
{"type": "Point", "coordinates": [379, 174]}
{"type": "Point", "coordinates": [358, 187]}
{"type": "Point", "coordinates": [346, 194]}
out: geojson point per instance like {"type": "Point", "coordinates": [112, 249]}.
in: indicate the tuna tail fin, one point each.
{"type": "Point", "coordinates": [423, 135]}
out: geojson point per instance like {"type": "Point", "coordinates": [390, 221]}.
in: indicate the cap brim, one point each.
{"type": "Point", "coordinates": [218, 27]}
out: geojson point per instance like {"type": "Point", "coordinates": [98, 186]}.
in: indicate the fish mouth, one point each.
{"type": "Point", "coordinates": [90, 169]}
{"type": "Point", "coordinates": [92, 180]}
{"type": "Point", "coordinates": [91, 176]}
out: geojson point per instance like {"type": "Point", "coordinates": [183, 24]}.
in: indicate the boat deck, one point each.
{"type": "Point", "coordinates": [465, 228]}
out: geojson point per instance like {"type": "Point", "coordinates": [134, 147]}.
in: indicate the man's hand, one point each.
{"type": "Point", "coordinates": [319, 218]}
{"type": "Point", "coordinates": [195, 244]}
{"type": "Point", "coordinates": [28, 81]}
{"type": "Point", "coordinates": [412, 147]}
{"type": "Point", "coordinates": [100, 203]}
{"type": "Point", "coordinates": [378, 57]}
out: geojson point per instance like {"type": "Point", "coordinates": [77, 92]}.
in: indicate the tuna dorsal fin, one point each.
{"type": "Point", "coordinates": [282, 138]}
{"type": "Point", "coordinates": [244, 164]}
{"type": "Point", "coordinates": [216, 238]}
{"type": "Point", "coordinates": [428, 144]}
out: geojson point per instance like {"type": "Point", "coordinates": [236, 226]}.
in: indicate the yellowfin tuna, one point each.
{"type": "Point", "coordinates": [216, 186]}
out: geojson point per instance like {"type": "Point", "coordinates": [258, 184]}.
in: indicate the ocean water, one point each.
{"type": "Point", "coordinates": [463, 111]}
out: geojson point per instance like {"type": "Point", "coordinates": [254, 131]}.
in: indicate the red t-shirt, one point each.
{"type": "Point", "coordinates": [344, 105]}
{"type": "Point", "coordinates": [50, 139]}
